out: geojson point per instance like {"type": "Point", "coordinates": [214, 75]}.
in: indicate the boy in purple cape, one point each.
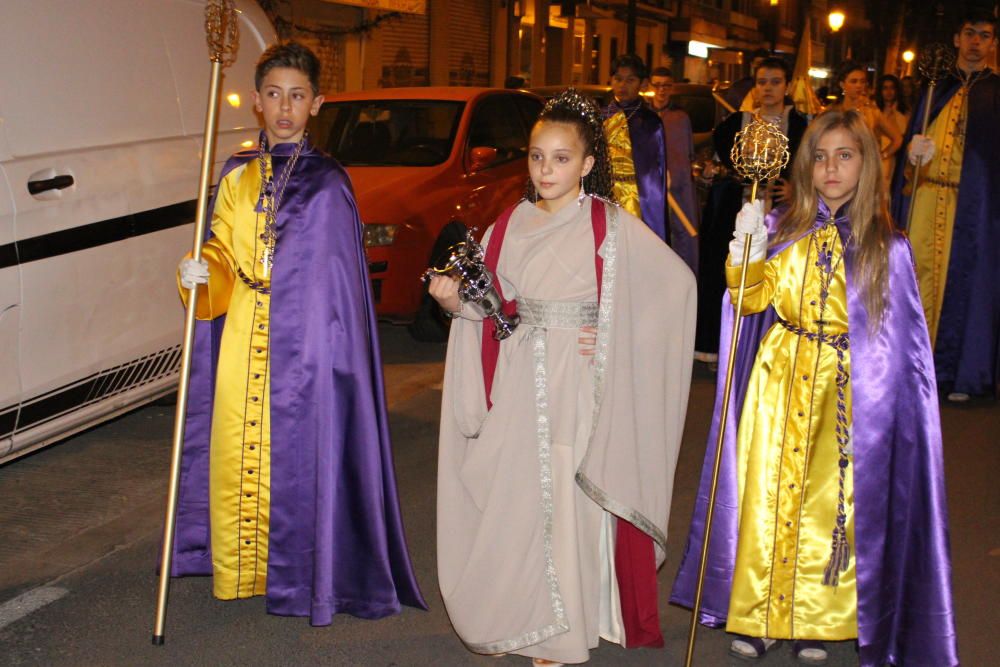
{"type": "Point", "coordinates": [287, 482]}
{"type": "Point", "coordinates": [680, 153]}
{"type": "Point", "coordinates": [830, 521]}
{"type": "Point", "coordinates": [637, 146]}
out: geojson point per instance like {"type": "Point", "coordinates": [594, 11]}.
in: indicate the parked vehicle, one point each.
{"type": "Point", "coordinates": [426, 163]}
{"type": "Point", "coordinates": [102, 105]}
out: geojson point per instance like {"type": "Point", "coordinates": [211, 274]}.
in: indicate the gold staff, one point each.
{"type": "Point", "coordinates": [759, 153]}
{"type": "Point", "coordinates": [935, 64]}
{"type": "Point", "coordinates": [222, 34]}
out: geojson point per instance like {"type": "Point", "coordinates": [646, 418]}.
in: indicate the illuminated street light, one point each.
{"type": "Point", "coordinates": [908, 56]}
{"type": "Point", "coordinates": [836, 19]}
{"type": "Point", "coordinates": [774, 3]}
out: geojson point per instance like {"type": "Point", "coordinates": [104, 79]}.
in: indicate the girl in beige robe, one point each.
{"type": "Point", "coordinates": [585, 412]}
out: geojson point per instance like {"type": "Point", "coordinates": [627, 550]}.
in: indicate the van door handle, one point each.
{"type": "Point", "coordinates": [54, 183]}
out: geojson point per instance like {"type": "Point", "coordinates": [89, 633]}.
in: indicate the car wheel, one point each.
{"type": "Point", "coordinates": [430, 325]}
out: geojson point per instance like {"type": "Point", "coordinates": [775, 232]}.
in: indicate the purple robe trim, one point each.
{"type": "Point", "coordinates": [336, 541]}
{"type": "Point", "coordinates": [967, 349]}
{"type": "Point", "coordinates": [649, 157]}
{"type": "Point", "coordinates": [905, 611]}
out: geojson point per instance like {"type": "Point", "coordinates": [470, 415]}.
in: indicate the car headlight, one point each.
{"type": "Point", "coordinates": [379, 235]}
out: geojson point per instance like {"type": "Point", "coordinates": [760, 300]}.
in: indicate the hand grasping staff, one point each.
{"type": "Point", "coordinates": [759, 153]}
{"type": "Point", "coordinates": [935, 64]}
{"type": "Point", "coordinates": [222, 34]}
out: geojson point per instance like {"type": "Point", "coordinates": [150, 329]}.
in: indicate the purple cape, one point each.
{"type": "Point", "coordinates": [336, 541]}
{"type": "Point", "coordinates": [649, 156]}
{"type": "Point", "coordinates": [967, 349]}
{"type": "Point", "coordinates": [680, 151]}
{"type": "Point", "coordinates": [905, 613]}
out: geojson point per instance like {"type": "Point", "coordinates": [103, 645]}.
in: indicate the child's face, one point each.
{"type": "Point", "coordinates": [626, 84]}
{"type": "Point", "coordinates": [771, 86]}
{"type": "Point", "coordinates": [286, 101]}
{"type": "Point", "coordinates": [556, 163]}
{"type": "Point", "coordinates": [837, 167]}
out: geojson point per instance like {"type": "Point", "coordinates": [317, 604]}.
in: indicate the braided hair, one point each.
{"type": "Point", "coordinates": [580, 111]}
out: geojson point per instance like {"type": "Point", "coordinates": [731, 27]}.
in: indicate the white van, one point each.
{"type": "Point", "coordinates": [102, 108]}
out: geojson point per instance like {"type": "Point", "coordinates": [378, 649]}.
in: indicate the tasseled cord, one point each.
{"type": "Point", "coordinates": [840, 551]}
{"type": "Point", "coordinates": [840, 557]}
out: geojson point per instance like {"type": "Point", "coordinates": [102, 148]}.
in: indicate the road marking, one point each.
{"type": "Point", "coordinates": [26, 603]}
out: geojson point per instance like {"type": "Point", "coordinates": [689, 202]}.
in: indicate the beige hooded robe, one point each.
{"type": "Point", "coordinates": [528, 489]}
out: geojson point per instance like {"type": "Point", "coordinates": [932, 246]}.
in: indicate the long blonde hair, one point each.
{"type": "Point", "coordinates": [871, 224]}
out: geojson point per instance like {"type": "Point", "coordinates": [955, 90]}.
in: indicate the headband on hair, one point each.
{"type": "Point", "coordinates": [572, 100]}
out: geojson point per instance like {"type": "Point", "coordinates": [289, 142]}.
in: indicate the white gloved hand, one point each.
{"type": "Point", "coordinates": [750, 220]}
{"type": "Point", "coordinates": [193, 273]}
{"type": "Point", "coordinates": [921, 149]}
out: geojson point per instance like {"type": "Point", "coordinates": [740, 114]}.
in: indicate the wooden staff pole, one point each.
{"type": "Point", "coordinates": [730, 365]}
{"type": "Point", "coordinates": [223, 36]}
{"type": "Point", "coordinates": [679, 212]}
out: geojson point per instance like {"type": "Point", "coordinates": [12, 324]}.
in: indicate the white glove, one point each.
{"type": "Point", "coordinates": [921, 149]}
{"type": "Point", "coordinates": [750, 220]}
{"type": "Point", "coordinates": [193, 273]}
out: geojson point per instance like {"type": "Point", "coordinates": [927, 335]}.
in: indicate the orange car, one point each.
{"type": "Point", "coordinates": [426, 163]}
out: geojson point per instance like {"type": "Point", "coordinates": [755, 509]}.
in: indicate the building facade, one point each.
{"type": "Point", "coordinates": [386, 43]}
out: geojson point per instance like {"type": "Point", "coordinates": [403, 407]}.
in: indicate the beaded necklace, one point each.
{"type": "Point", "coordinates": [271, 195]}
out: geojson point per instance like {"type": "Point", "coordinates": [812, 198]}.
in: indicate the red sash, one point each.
{"type": "Point", "coordinates": [635, 562]}
{"type": "Point", "coordinates": [490, 345]}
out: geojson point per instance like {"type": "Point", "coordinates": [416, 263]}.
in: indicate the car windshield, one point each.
{"type": "Point", "coordinates": [387, 133]}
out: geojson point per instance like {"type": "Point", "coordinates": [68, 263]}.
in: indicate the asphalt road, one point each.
{"type": "Point", "coordinates": [80, 525]}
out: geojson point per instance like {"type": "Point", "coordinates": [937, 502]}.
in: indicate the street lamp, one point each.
{"type": "Point", "coordinates": [836, 20]}
{"type": "Point", "coordinates": [908, 57]}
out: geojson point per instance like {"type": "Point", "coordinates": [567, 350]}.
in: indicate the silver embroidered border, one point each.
{"type": "Point", "coordinates": [600, 362]}
{"type": "Point", "coordinates": [557, 314]}
{"type": "Point", "coordinates": [543, 437]}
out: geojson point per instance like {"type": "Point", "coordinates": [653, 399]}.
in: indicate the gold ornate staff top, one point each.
{"type": "Point", "coordinates": [222, 31]}
{"type": "Point", "coordinates": [759, 153]}
{"type": "Point", "coordinates": [936, 62]}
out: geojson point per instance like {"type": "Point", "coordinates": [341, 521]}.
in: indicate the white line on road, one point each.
{"type": "Point", "coordinates": [26, 603]}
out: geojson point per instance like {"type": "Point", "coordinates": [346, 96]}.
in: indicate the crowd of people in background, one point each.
{"type": "Point", "coordinates": [952, 231]}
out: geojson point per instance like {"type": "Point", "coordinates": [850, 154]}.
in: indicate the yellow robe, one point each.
{"type": "Point", "coordinates": [239, 462]}
{"type": "Point", "coordinates": [625, 187]}
{"type": "Point", "coordinates": [935, 205]}
{"type": "Point", "coordinates": [787, 456]}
